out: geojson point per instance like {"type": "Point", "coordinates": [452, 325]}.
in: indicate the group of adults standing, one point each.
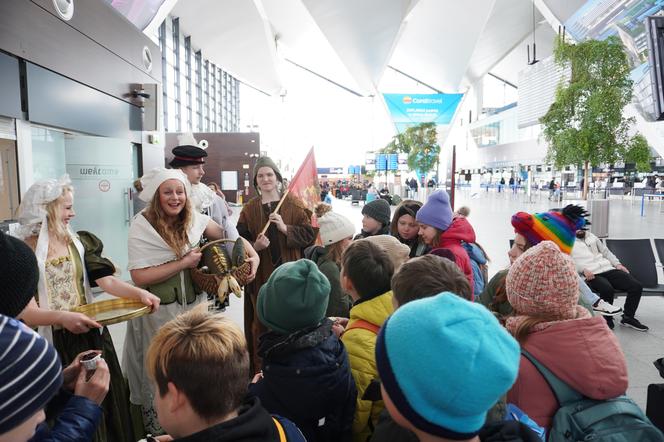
{"type": "Point", "coordinates": [163, 247]}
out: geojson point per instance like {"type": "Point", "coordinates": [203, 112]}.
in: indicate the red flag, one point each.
{"type": "Point", "coordinates": [305, 182]}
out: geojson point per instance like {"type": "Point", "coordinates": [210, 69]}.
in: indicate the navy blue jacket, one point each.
{"type": "Point", "coordinates": [307, 379]}
{"type": "Point", "coordinates": [77, 421]}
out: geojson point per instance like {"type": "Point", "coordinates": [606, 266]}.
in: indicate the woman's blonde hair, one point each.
{"type": "Point", "coordinates": [55, 225]}
{"type": "Point", "coordinates": [175, 235]}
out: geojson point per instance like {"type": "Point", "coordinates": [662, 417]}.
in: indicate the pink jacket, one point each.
{"type": "Point", "coordinates": [584, 353]}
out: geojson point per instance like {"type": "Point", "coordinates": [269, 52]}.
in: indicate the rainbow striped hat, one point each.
{"type": "Point", "coordinates": [557, 225]}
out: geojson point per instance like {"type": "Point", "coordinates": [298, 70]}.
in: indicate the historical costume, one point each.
{"type": "Point", "coordinates": [282, 247]}
{"type": "Point", "coordinates": [64, 283]}
{"type": "Point", "coordinates": [178, 294]}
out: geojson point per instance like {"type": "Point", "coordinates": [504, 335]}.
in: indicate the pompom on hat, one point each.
{"type": "Point", "coordinates": [473, 359]}
{"type": "Point", "coordinates": [155, 177]}
{"type": "Point", "coordinates": [557, 225]}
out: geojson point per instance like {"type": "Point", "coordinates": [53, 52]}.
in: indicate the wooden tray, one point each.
{"type": "Point", "coordinates": [113, 311]}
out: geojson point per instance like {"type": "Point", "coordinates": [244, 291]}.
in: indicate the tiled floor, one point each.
{"type": "Point", "coordinates": [490, 216]}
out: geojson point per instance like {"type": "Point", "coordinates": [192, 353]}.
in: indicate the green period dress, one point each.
{"type": "Point", "coordinates": [65, 287]}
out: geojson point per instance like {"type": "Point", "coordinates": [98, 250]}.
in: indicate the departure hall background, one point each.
{"type": "Point", "coordinates": [397, 99]}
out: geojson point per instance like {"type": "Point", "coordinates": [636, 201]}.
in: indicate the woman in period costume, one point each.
{"type": "Point", "coordinates": [69, 265]}
{"type": "Point", "coordinates": [288, 234]}
{"type": "Point", "coordinates": [163, 247]}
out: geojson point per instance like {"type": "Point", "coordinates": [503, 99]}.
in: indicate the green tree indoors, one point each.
{"type": "Point", "coordinates": [585, 124]}
{"type": "Point", "coordinates": [420, 144]}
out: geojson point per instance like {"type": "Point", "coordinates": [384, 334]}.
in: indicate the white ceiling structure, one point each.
{"type": "Point", "coordinates": [445, 44]}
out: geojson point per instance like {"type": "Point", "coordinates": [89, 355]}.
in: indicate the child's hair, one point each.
{"type": "Point", "coordinates": [214, 186]}
{"type": "Point", "coordinates": [205, 356]}
{"type": "Point", "coordinates": [55, 224]}
{"type": "Point", "coordinates": [436, 239]}
{"type": "Point", "coordinates": [368, 267]}
{"type": "Point", "coordinates": [426, 276]}
{"type": "Point", "coordinates": [174, 235]}
{"type": "Point", "coordinates": [407, 207]}
{"type": "Point", "coordinates": [335, 252]}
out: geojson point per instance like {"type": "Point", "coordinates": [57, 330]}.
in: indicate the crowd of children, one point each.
{"type": "Point", "coordinates": [393, 334]}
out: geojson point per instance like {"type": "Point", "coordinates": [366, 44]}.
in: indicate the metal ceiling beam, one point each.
{"type": "Point", "coordinates": [415, 79]}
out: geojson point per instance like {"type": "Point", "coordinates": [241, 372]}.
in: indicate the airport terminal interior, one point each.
{"type": "Point", "coordinates": [292, 165]}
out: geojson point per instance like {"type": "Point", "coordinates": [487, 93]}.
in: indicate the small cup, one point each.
{"type": "Point", "coordinates": [89, 360]}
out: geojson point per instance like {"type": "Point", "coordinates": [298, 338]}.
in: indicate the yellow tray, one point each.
{"type": "Point", "coordinates": [113, 311]}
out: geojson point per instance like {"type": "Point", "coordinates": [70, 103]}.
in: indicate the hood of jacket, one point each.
{"type": "Point", "coordinates": [253, 424]}
{"type": "Point", "coordinates": [315, 253]}
{"type": "Point", "coordinates": [585, 354]}
{"type": "Point", "coordinates": [306, 375]}
{"type": "Point", "coordinates": [374, 310]}
{"type": "Point", "coordinates": [507, 431]}
{"type": "Point", "coordinates": [459, 230]}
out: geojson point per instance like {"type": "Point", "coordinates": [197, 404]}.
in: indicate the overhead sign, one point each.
{"type": "Point", "coordinates": [412, 109]}
{"type": "Point", "coordinates": [370, 161]}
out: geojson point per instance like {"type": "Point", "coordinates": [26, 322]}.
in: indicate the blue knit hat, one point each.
{"type": "Point", "coordinates": [30, 373]}
{"type": "Point", "coordinates": [444, 362]}
{"type": "Point", "coordinates": [436, 211]}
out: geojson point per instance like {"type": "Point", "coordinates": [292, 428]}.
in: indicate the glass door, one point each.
{"type": "Point", "coordinates": [102, 171]}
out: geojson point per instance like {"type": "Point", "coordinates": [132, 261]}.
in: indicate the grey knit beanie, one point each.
{"type": "Point", "coordinates": [379, 210]}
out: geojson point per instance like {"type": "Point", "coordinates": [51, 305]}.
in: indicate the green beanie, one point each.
{"type": "Point", "coordinates": [294, 297]}
{"type": "Point", "coordinates": [266, 162]}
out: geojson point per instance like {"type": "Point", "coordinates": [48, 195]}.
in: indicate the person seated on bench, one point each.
{"type": "Point", "coordinates": [605, 275]}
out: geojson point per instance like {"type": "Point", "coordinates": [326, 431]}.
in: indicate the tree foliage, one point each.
{"type": "Point", "coordinates": [585, 124]}
{"type": "Point", "coordinates": [420, 143]}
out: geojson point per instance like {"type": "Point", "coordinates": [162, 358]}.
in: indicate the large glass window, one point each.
{"type": "Point", "coordinates": [198, 95]}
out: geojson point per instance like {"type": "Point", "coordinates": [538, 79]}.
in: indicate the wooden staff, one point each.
{"type": "Point", "coordinates": [276, 210]}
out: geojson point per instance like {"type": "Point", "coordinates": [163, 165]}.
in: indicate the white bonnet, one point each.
{"type": "Point", "coordinates": [32, 211]}
{"type": "Point", "coordinates": [152, 179]}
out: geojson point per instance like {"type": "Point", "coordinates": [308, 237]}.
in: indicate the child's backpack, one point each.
{"type": "Point", "coordinates": [478, 264]}
{"type": "Point", "coordinates": [580, 418]}
{"type": "Point", "coordinates": [288, 431]}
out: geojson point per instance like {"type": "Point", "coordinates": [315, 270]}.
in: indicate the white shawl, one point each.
{"type": "Point", "coordinates": [148, 249]}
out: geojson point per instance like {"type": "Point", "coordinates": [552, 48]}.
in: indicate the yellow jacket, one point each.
{"type": "Point", "coordinates": [360, 345]}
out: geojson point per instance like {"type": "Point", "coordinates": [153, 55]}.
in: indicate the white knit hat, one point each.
{"type": "Point", "coordinates": [152, 179]}
{"type": "Point", "coordinates": [398, 252]}
{"type": "Point", "coordinates": [334, 227]}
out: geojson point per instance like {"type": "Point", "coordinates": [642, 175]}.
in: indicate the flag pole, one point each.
{"type": "Point", "coordinates": [276, 210]}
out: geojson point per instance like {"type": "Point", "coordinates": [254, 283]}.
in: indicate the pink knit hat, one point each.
{"type": "Point", "coordinates": [543, 282]}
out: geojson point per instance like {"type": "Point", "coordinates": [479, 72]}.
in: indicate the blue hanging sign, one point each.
{"type": "Point", "coordinates": [412, 109]}
{"type": "Point", "coordinates": [392, 161]}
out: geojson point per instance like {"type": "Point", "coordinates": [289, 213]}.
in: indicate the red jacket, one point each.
{"type": "Point", "coordinates": [459, 230]}
{"type": "Point", "coordinates": [584, 353]}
